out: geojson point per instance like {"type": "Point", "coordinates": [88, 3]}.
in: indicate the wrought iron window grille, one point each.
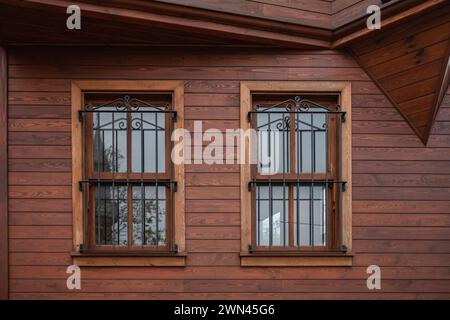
{"type": "Point", "coordinates": [133, 121]}
{"type": "Point", "coordinates": [293, 117]}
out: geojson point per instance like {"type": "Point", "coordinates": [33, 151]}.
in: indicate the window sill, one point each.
{"type": "Point", "coordinates": [128, 260]}
{"type": "Point", "coordinates": [296, 260]}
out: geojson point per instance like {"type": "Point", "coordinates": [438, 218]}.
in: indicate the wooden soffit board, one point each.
{"type": "Point", "coordinates": [409, 63]}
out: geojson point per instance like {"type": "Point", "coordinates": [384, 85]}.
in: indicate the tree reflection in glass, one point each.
{"type": "Point", "coordinates": [149, 203]}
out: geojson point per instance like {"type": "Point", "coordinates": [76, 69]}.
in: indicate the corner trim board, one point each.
{"type": "Point", "coordinates": [4, 249]}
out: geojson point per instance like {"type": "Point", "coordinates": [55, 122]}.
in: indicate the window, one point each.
{"type": "Point", "coordinates": [130, 195]}
{"type": "Point", "coordinates": [129, 186]}
{"type": "Point", "coordinates": [296, 191]}
{"type": "Point", "coordinates": [297, 199]}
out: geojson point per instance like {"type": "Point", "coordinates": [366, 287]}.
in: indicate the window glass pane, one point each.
{"type": "Point", "coordinates": [148, 134]}
{"type": "Point", "coordinates": [109, 140]}
{"type": "Point", "coordinates": [149, 205]}
{"type": "Point", "coordinates": [111, 215]}
{"type": "Point", "coordinates": [311, 141]}
{"type": "Point", "coordinates": [310, 221]}
{"type": "Point", "coordinates": [273, 141]}
{"type": "Point", "coordinates": [272, 215]}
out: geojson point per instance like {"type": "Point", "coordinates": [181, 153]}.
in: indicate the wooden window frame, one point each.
{"type": "Point", "coordinates": [298, 257]}
{"type": "Point", "coordinates": [128, 258]}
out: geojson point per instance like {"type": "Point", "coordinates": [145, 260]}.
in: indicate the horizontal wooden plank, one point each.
{"type": "Point", "coordinates": [39, 178]}
{"type": "Point", "coordinates": [39, 98]}
{"type": "Point", "coordinates": [40, 218]}
{"type": "Point", "coordinates": [426, 154]}
{"type": "Point", "coordinates": [403, 259]}
{"type": "Point", "coordinates": [40, 205]}
{"type": "Point", "coordinates": [228, 296]}
{"type": "Point", "coordinates": [372, 100]}
{"type": "Point", "coordinates": [40, 138]}
{"type": "Point", "coordinates": [53, 85]}
{"type": "Point", "coordinates": [405, 180]}
{"type": "Point", "coordinates": [408, 233]}
{"type": "Point", "coordinates": [441, 127]}
{"type": "Point", "coordinates": [230, 272]}
{"type": "Point", "coordinates": [49, 125]}
{"type": "Point", "coordinates": [211, 86]}
{"type": "Point", "coordinates": [211, 100]}
{"type": "Point", "coordinates": [401, 219]}
{"type": "Point", "coordinates": [40, 192]}
{"type": "Point", "coordinates": [40, 259]}
{"type": "Point", "coordinates": [40, 165]}
{"type": "Point", "coordinates": [212, 259]}
{"type": "Point", "coordinates": [204, 125]}
{"type": "Point", "coordinates": [217, 206]}
{"type": "Point", "coordinates": [40, 232]}
{"type": "Point", "coordinates": [392, 140]}
{"type": "Point", "coordinates": [213, 233]}
{"type": "Point", "coordinates": [213, 285]}
{"type": "Point", "coordinates": [38, 112]}
{"type": "Point", "coordinates": [400, 246]}
{"type": "Point", "coordinates": [212, 179]}
{"type": "Point", "coordinates": [389, 206]}
{"type": "Point", "coordinates": [211, 168]}
{"type": "Point", "coordinates": [381, 113]}
{"type": "Point", "coordinates": [212, 193]}
{"type": "Point", "coordinates": [400, 193]}
{"type": "Point", "coordinates": [38, 151]}
{"type": "Point", "coordinates": [189, 57]}
{"type": "Point", "coordinates": [381, 127]}
{"type": "Point", "coordinates": [443, 114]}
{"type": "Point", "coordinates": [396, 167]}
{"type": "Point", "coordinates": [40, 245]}
{"type": "Point", "coordinates": [211, 113]}
{"type": "Point", "coordinates": [213, 219]}
{"type": "Point", "coordinates": [194, 73]}
{"type": "Point", "coordinates": [213, 246]}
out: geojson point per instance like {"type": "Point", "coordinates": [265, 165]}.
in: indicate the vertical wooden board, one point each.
{"type": "Point", "coordinates": [77, 170]}
{"type": "Point", "coordinates": [3, 175]}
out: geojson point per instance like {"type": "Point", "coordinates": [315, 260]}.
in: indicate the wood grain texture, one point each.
{"type": "Point", "coordinates": [409, 65]}
{"type": "Point", "coordinates": [3, 175]}
{"type": "Point", "coordinates": [400, 207]}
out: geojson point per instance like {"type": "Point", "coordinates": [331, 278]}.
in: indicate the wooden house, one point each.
{"type": "Point", "coordinates": [358, 118]}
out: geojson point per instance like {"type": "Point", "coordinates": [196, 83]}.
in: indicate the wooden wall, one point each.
{"type": "Point", "coordinates": [315, 13]}
{"type": "Point", "coordinates": [401, 192]}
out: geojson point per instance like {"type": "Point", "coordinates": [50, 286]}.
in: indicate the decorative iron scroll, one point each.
{"type": "Point", "coordinates": [295, 105]}
{"type": "Point", "coordinates": [127, 104]}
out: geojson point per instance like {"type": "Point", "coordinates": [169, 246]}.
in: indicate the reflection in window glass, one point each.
{"type": "Point", "coordinates": [273, 141]}
{"type": "Point", "coordinates": [272, 214]}
{"type": "Point", "coordinates": [149, 205]}
{"type": "Point", "coordinates": [310, 221]}
{"type": "Point", "coordinates": [148, 135]}
{"type": "Point", "coordinates": [310, 140]}
{"type": "Point", "coordinates": [111, 212]}
{"type": "Point", "coordinates": [110, 140]}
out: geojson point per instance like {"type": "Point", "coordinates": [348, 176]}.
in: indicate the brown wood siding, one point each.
{"type": "Point", "coordinates": [316, 13]}
{"type": "Point", "coordinates": [4, 278]}
{"type": "Point", "coordinates": [409, 64]}
{"type": "Point", "coordinates": [401, 202]}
